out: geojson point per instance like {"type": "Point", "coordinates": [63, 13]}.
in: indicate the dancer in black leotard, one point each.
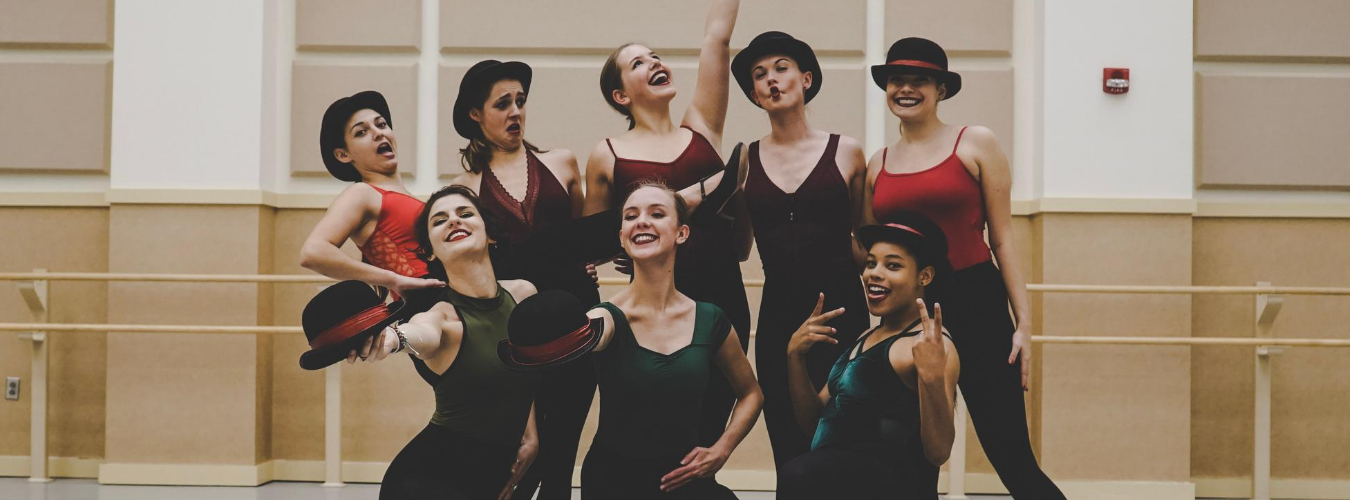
{"type": "Point", "coordinates": [804, 191]}
{"type": "Point", "coordinates": [883, 424]}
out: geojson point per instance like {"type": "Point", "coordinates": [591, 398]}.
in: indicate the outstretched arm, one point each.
{"type": "Point", "coordinates": [708, 113]}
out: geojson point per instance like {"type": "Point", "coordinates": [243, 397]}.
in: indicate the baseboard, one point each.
{"type": "Point", "coordinates": [71, 467]}
{"type": "Point", "coordinates": [186, 475]}
{"type": "Point", "coordinates": [1126, 490]}
{"type": "Point", "coordinates": [1241, 487]}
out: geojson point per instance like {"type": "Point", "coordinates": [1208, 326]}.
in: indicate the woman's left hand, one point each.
{"type": "Point", "coordinates": [524, 458]}
{"type": "Point", "coordinates": [1021, 342]}
{"type": "Point", "coordinates": [595, 275]}
{"type": "Point", "coordinates": [701, 462]}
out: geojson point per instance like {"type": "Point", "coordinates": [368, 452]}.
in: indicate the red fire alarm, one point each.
{"type": "Point", "coordinates": [1115, 80]}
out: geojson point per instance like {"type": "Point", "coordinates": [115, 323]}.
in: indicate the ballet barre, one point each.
{"type": "Point", "coordinates": [33, 287]}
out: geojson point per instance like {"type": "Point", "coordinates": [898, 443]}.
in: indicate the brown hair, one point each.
{"type": "Point", "coordinates": [476, 156]}
{"type": "Point", "coordinates": [611, 79]}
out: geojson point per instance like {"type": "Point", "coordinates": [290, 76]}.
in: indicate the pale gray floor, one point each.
{"type": "Point", "coordinates": [89, 489]}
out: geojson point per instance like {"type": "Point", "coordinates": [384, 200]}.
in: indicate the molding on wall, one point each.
{"type": "Point", "coordinates": [71, 467]}
{"type": "Point", "coordinates": [54, 199]}
{"type": "Point", "coordinates": [1241, 487]}
{"type": "Point", "coordinates": [186, 475]}
{"type": "Point", "coordinates": [1275, 209]}
{"type": "Point", "coordinates": [1253, 208]}
{"type": "Point", "coordinates": [1181, 206]}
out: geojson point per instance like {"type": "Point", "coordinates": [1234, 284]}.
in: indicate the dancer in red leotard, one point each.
{"type": "Point", "coordinates": [959, 178]}
{"type": "Point", "coordinates": [376, 212]}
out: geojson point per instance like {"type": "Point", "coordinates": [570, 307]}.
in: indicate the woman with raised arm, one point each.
{"type": "Point", "coordinates": [524, 189]}
{"type": "Point", "coordinates": [959, 177]}
{"type": "Point", "coordinates": [883, 423]}
{"type": "Point", "coordinates": [804, 192]}
{"type": "Point", "coordinates": [656, 359]}
{"type": "Point", "coordinates": [637, 84]}
{"type": "Point", "coordinates": [357, 145]}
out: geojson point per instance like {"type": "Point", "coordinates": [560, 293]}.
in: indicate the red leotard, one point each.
{"type": "Point", "coordinates": [945, 193]}
{"type": "Point", "coordinates": [392, 245]}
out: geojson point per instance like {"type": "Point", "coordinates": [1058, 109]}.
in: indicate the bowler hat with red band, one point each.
{"type": "Point", "coordinates": [914, 231]}
{"type": "Point", "coordinates": [341, 317]}
{"type": "Point", "coordinates": [547, 330]}
{"type": "Point", "coordinates": [917, 56]}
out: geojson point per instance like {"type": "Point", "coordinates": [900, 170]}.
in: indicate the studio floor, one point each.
{"type": "Point", "coordinates": [89, 489]}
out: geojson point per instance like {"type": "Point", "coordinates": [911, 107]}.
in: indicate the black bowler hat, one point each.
{"type": "Point", "coordinates": [333, 133]}
{"type": "Point", "coordinates": [917, 56]}
{"type": "Point", "coordinates": [914, 231]}
{"type": "Point", "coordinates": [485, 73]}
{"type": "Point", "coordinates": [341, 317]}
{"type": "Point", "coordinates": [546, 330]}
{"type": "Point", "coordinates": [776, 42]}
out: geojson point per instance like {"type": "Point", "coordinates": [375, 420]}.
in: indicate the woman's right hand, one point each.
{"type": "Point", "coordinates": [403, 283]}
{"type": "Point", "coordinates": [814, 331]}
{"type": "Point", "coordinates": [376, 347]}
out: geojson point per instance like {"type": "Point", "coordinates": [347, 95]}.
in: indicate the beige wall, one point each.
{"type": "Point", "coordinates": [1297, 50]}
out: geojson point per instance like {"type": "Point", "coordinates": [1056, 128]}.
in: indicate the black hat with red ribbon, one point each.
{"type": "Point", "coordinates": [340, 319]}
{"type": "Point", "coordinates": [917, 56]}
{"type": "Point", "coordinates": [547, 330]}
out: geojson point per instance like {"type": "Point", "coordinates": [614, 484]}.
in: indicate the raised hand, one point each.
{"type": "Point", "coordinates": [814, 331]}
{"type": "Point", "coordinates": [930, 353]}
{"type": "Point", "coordinates": [701, 462]}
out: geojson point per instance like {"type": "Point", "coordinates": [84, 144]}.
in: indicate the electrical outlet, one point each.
{"type": "Point", "coordinates": [12, 388]}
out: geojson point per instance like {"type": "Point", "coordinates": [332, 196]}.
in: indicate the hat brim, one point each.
{"type": "Point", "coordinates": [881, 73]}
{"type": "Point", "coordinates": [507, 355]}
{"type": "Point", "coordinates": [318, 359]}
{"type": "Point", "coordinates": [510, 70]}
{"type": "Point", "coordinates": [344, 108]}
{"type": "Point", "coordinates": [798, 50]}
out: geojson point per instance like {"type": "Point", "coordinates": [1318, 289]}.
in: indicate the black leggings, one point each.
{"type": "Point", "coordinates": [839, 473]}
{"type": "Point", "coordinates": [443, 465]}
{"type": "Point", "coordinates": [975, 309]}
{"type": "Point", "coordinates": [606, 475]}
{"type": "Point", "coordinates": [564, 399]}
{"type": "Point", "coordinates": [787, 303]}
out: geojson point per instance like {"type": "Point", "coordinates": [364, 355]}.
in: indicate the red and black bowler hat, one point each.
{"type": "Point", "coordinates": [914, 231]}
{"type": "Point", "coordinates": [772, 43]}
{"type": "Point", "coordinates": [917, 56]}
{"type": "Point", "coordinates": [480, 75]}
{"type": "Point", "coordinates": [333, 130]}
{"type": "Point", "coordinates": [547, 330]}
{"type": "Point", "coordinates": [341, 317]}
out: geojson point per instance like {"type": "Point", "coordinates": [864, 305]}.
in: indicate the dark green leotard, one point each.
{"type": "Point", "coordinates": [650, 402]}
{"type": "Point", "coordinates": [872, 411]}
{"type": "Point", "coordinates": [478, 396]}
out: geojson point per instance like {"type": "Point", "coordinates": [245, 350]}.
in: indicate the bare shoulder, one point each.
{"type": "Point", "coordinates": [561, 162]}
{"type": "Point", "coordinates": [358, 193]}
{"type": "Point", "coordinates": [980, 136]}
{"type": "Point", "coordinates": [519, 289]}
{"type": "Point", "coordinates": [439, 313]}
{"type": "Point", "coordinates": [600, 157]}
{"type": "Point", "coordinates": [849, 153]}
{"type": "Point", "coordinates": [468, 179]}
